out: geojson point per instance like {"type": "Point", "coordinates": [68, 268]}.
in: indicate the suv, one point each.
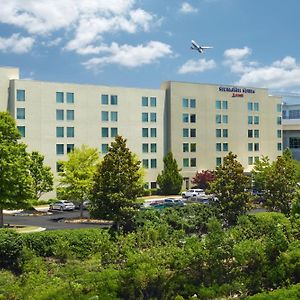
{"type": "Point", "coordinates": [193, 193]}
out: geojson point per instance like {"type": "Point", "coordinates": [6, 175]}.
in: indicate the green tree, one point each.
{"type": "Point", "coordinates": [15, 179]}
{"type": "Point", "coordinates": [41, 175]}
{"type": "Point", "coordinates": [230, 189]}
{"type": "Point", "coordinates": [170, 179]}
{"type": "Point", "coordinates": [76, 178]}
{"type": "Point", "coordinates": [281, 184]}
{"type": "Point", "coordinates": [117, 185]}
{"type": "Point", "coordinates": [260, 173]}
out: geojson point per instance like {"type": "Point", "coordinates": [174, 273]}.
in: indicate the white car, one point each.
{"type": "Point", "coordinates": [193, 193]}
{"type": "Point", "coordinates": [62, 205]}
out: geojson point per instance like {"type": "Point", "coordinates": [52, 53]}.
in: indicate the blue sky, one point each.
{"type": "Point", "coordinates": [140, 43]}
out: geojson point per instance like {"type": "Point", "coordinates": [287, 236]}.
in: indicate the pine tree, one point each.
{"type": "Point", "coordinates": [170, 179]}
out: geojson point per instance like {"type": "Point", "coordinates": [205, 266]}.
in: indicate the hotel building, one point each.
{"type": "Point", "coordinates": [199, 123]}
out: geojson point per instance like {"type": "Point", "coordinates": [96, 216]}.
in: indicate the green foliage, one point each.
{"type": "Point", "coordinates": [202, 179]}
{"type": "Point", "coordinates": [230, 188]}
{"type": "Point", "coordinates": [260, 172]}
{"type": "Point", "coordinates": [41, 175]}
{"type": "Point", "coordinates": [117, 185]}
{"type": "Point", "coordinates": [170, 179]}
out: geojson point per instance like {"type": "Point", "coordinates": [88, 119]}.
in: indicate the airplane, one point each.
{"type": "Point", "coordinates": [199, 48]}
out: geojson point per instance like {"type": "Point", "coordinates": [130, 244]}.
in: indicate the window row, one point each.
{"type": "Point", "coordinates": [221, 133]}
{"type": "Point", "coordinates": [189, 147]}
{"type": "Point", "coordinates": [221, 119]}
{"type": "Point", "coordinates": [153, 185]}
{"type": "Point", "coordinates": [221, 147]}
{"type": "Point", "coordinates": [253, 146]}
{"type": "Point", "coordinates": [149, 101]}
{"type": "Point", "coordinates": [186, 103]}
{"type": "Point", "coordinates": [146, 148]}
{"type": "Point", "coordinates": [152, 165]}
{"type": "Point", "coordinates": [113, 116]}
{"type": "Point", "coordinates": [69, 114]}
{"type": "Point", "coordinates": [149, 132]}
{"type": "Point", "coordinates": [253, 120]}
{"type": "Point", "coordinates": [106, 99]}
{"type": "Point", "coordinates": [294, 143]}
{"type": "Point", "coordinates": [253, 106]}
{"type": "Point", "coordinates": [61, 96]}
{"type": "Point", "coordinates": [189, 162]}
{"type": "Point", "coordinates": [61, 148]}
{"type": "Point", "coordinates": [189, 118]}
{"type": "Point", "coordinates": [252, 160]}
{"type": "Point", "coordinates": [60, 132]}
{"type": "Point", "coordinates": [253, 133]}
{"type": "Point", "coordinates": [105, 132]}
{"type": "Point", "coordinates": [146, 117]}
{"type": "Point", "coordinates": [189, 132]}
{"type": "Point", "coordinates": [221, 104]}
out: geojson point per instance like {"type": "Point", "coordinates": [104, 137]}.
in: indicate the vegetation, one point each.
{"type": "Point", "coordinates": [203, 179]}
{"type": "Point", "coordinates": [170, 179]}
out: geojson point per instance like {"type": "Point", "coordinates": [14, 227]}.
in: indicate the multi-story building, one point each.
{"type": "Point", "coordinates": [199, 123]}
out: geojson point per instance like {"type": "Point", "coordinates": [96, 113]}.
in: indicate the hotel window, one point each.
{"type": "Point", "coordinates": [104, 116]}
{"type": "Point", "coordinates": [153, 132]}
{"type": "Point", "coordinates": [250, 106]}
{"type": "Point", "coordinates": [59, 97]}
{"type": "Point", "coordinates": [145, 148]}
{"type": "Point", "coordinates": [256, 120]}
{"type": "Point", "coordinates": [218, 161]}
{"type": "Point", "coordinates": [104, 132]}
{"type": "Point", "coordinates": [21, 113]}
{"type": "Point", "coordinates": [113, 132]}
{"type": "Point", "coordinates": [256, 133]}
{"type": "Point", "coordinates": [218, 147]}
{"type": "Point", "coordinates": [279, 146]}
{"type": "Point", "coordinates": [114, 100]}
{"type": "Point", "coordinates": [218, 133]}
{"type": "Point", "coordinates": [193, 162]}
{"type": "Point", "coordinates": [225, 119]}
{"type": "Point", "coordinates": [70, 147]}
{"type": "Point", "coordinates": [250, 120]}
{"type": "Point", "coordinates": [21, 130]}
{"type": "Point", "coordinates": [70, 98]}
{"type": "Point", "coordinates": [294, 143]}
{"type": "Point", "coordinates": [59, 132]}
{"type": "Point", "coordinates": [250, 160]}
{"type": "Point", "coordinates": [153, 163]}
{"type": "Point", "coordinates": [218, 119]}
{"type": "Point", "coordinates": [145, 132]}
{"type": "Point", "coordinates": [144, 101]}
{"type": "Point", "coordinates": [193, 147]}
{"type": "Point", "coordinates": [185, 162]}
{"type": "Point", "coordinates": [70, 115]}
{"type": "Point", "coordinates": [279, 133]}
{"type": "Point", "coordinates": [104, 148]}
{"type": "Point", "coordinates": [104, 99]}
{"type": "Point", "coordinates": [278, 120]}
{"type": "Point", "coordinates": [185, 132]}
{"type": "Point", "coordinates": [193, 132]}
{"type": "Point", "coordinates": [185, 147]}
{"type": "Point", "coordinates": [185, 102]}
{"type": "Point", "coordinates": [256, 158]}
{"type": "Point", "coordinates": [278, 107]}
{"type": "Point", "coordinates": [153, 101]}
{"type": "Point", "coordinates": [153, 185]}
{"type": "Point", "coordinates": [225, 133]}
{"type": "Point", "coordinates": [192, 103]}
{"type": "Point", "coordinates": [225, 104]}
{"type": "Point", "coordinates": [250, 147]}
{"type": "Point", "coordinates": [114, 116]}
{"type": "Point", "coordinates": [250, 133]}
{"type": "Point", "coordinates": [145, 163]}
{"type": "Point", "coordinates": [256, 146]}
{"type": "Point", "coordinates": [185, 118]}
{"type": "Point", "coordinates": [70, 132]}
{"type": "Point", "coordinates": [59, 149]}
{"type": "Point", "coordinates": [256, 106]}
{"type": "Point", "coordinates": [145, 117]}
{"type": "Point", "coordinates": [20, 95]}
{"type": "Point", "coordinates": [153, 117]}
{"type": "Point", "coordinates": [59, 115]}
{"type": "Point", "coordinates": [225, 147]}
{"type": "Point", "coordinates": [153, 148]}
{"type": "Point", "coordinates": [218, 104]}
{"type": "Point", "coordinates": [59, 167]}
{"type": "Point", "coordinates": [193, 118]}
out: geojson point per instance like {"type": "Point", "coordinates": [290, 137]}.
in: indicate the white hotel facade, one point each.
{"type": "Point", "coordinates": [199, 123]}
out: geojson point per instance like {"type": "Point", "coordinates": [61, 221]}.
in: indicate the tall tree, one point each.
{"type": "Point", "coordinates": [41, 175]}
{"type": "Point", "coordinates": [260, 172]}
{"type": "Point", "coordinates": [76, 178]}
{"type": "Point", "coordinates": [170, 179]}
{"type": "Point", "coordinates": [230, 189]}
{"type": "Point", "coordinates": [117, 185]}
{"type": "Point", "coordinates": [202, 179]}
{"type": "Point", "coordinates": [15, 179]}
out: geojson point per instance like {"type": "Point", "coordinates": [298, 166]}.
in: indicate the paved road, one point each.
{"type": "Point", "coordinates": [50, 222]}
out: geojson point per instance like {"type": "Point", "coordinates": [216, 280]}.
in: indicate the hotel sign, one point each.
{"type": "Point", "coordinates": [236, 92]}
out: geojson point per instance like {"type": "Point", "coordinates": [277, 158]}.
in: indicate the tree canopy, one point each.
{"type": "Point", "coordinates": [202, 179]}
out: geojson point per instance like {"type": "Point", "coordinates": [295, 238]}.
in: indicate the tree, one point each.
{"type": "Point", "coordinates": [76, 178]}
{"type": "Point", "coordinates": [202, 179]}
{"type": "Point", "coordinates": [117, 185]}
{"type": "Point", "coordinates": [15, 179]}
{"type": "Point", "coordinates": [281, 184]}
{"type": "Point", "coordinates": [260, 173]}
{"type": "Point", "coordinates": [230, 189]}
{"type": "Point", "coordinates": [170, 180]}
{"type": "Point", "coordinates": [41, 175]}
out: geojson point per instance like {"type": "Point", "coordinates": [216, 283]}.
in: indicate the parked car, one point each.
{"type": "Point", "coordinates": [193, 193]}
{"type": "Point", "coordinates": [62, 205]}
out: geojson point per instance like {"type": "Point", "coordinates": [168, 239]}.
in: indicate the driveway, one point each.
{"type": "Point", "coordinates": [53, 221]}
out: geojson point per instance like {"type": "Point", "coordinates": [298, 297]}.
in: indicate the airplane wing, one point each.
{"type": "Point", "coordinates": [206, 47]}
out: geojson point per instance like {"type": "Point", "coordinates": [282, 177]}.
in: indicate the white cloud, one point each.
{"type": "Point", "coordinates": [16, 44]}
{"type": "Point", "coordinates": [197, 66]}
{"type": "Point", "coordinates": [129, 56]}
{"type": "Point", "coordinates": [237, 53]}
{"type": "Point", "coordinates": [187, 8]}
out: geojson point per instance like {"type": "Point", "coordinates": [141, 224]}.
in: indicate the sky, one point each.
{"type": "Point", "coordinates": [141, 43]}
